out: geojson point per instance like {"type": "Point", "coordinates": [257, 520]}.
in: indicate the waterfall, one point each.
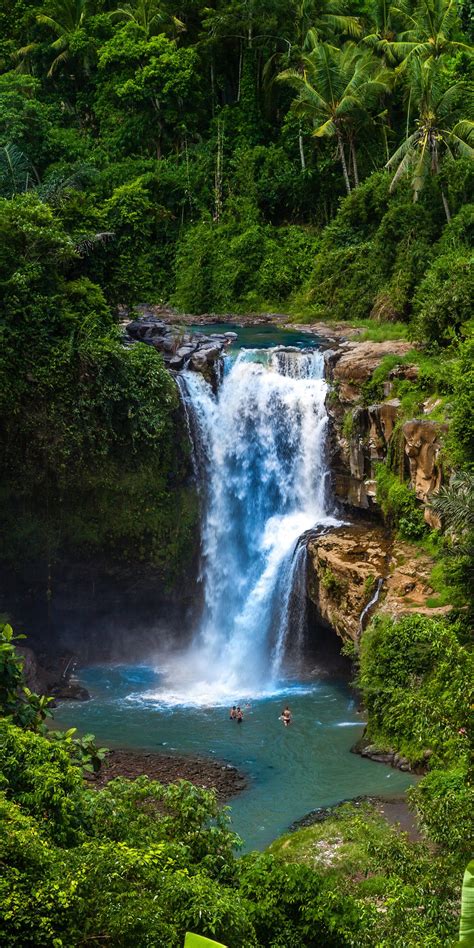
{"type": "Point", "coordinates": [372, 602]}
{"type": "Point", "coordinates": [259, 452]}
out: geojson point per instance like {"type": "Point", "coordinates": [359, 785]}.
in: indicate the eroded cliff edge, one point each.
{"type": "Point", "coordinates": [363, 566]}
{"type": "Point", "coordinates": [363, 432]}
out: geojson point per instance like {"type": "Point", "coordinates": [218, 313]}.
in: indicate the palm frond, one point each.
{"type": "Point", "coordinates": [455, 504]}
{"type": "Point", "coordinates": [85, 245]}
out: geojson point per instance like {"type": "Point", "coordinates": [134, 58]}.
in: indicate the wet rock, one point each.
{"type": "Point", "coordinates": [70, 691]}
{"type": "Point", "coordinates": [146, 328]}
{"type": "Point", "coordinates": [224, 778]}
{"type": "Point", "coordinates": [197, 351]}
{"type": "Point", "coordinates": [176, 363]}
{"type": "Point", "coordinates": [169, 343]}
{"type": "Point", "coordinates": [185, 351]}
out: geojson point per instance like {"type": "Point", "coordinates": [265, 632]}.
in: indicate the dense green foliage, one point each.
{"type": "Point", "coordinates": [224, 156]}
{"type": "Point", "coordinates": [151, 153]}
{"type": "Point", "coordinates": [416, 676]}
{"type": "Point", "coordinates": [88, 427]}
{"type": "Point", "coordinates": [404, 892]}
{"type": "Point", "coordinates": [139, 863]}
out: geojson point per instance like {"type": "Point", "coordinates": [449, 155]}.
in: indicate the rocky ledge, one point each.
{"type": "Point", "coordinates": [357, 569]}
{"type": "Point", "coordinates": [225, 779]}
{"type": "Point", "coordinates": [181, 349]}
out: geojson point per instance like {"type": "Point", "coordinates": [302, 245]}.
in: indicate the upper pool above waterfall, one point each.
{"type": "Point", "coordinates": [261, 336]}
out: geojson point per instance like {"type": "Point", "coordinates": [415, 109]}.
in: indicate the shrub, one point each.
{"type": "Point", "coordinates": [461, 433]}
{"type": "Point", "coordinates": [443, 300]}
{"type": "Point", "coordinates": [417, 680]}
{"type": "Point", "coordinates": [399, 505]}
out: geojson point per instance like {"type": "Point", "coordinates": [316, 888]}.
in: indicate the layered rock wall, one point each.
{"type": "Point", "coordinates": [361, 435]}
{"type": "Point", "coordinates": [355, 565]}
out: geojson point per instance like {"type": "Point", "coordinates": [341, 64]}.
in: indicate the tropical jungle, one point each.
{"type": "Point", "coordinates": [237, 465]}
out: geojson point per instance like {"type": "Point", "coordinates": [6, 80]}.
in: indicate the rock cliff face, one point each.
{"type": "Point", "coordinates": [344, 566]}
{"type": "Point", "coordinates": [352, 565]}
{"type": "Point", "coordinates": [181, 349]}
{"type": "Point", "coordinates": [360, 434]}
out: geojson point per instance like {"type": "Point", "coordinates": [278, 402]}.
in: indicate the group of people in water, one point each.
{"type": "Point", "coordinates": [236, 714]}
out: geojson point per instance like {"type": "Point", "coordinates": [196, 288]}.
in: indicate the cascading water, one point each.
{"type": "Point", "coordinates": [259, 447]}
{"type": "Point", "coordinates": [259, 460]}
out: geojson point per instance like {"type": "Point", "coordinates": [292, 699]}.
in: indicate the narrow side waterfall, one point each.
{"type": "Point", "coordinates": [259, 452]}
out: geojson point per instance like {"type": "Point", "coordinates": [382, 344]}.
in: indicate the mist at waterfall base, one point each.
{"type": "Point", "coordinates": [259, 458]}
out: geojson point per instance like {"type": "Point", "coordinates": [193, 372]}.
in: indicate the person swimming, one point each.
{"type": "Point", "coordinates": [240, 716]}
{"type": "Point", "coordinates": [233, 713]}
{"type": "Point", "coordinates": [286, 716]}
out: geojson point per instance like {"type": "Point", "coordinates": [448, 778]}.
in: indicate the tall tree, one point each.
{"type": "Point", "coordinates": [337, 92]}
{"type": "Point", "coordinates": [150, 16]}
{"type": "Point", "coordinates": [442, 130]}
{"type": "Point", "coordinates": [428, 30]}
{"type": "Point", "coordinates": [67, 20]}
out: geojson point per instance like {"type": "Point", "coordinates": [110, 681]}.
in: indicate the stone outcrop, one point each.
{"type": "Point", "coordinates": [351, 565]}
{"type": "Point", "coordinates": [361, 434]}
{"type": "Point", "coordinates": [353, 363]}
{"type": "Point", "coordinates": [422, 442]}
{"type": "Point", "coordinates": [52, 677]}
{"type": "Point", "coordinates": [344, 566]}
{"type": "Point", "coordinates": [181, 349]}
{"type": "Point", "coordinates": [407, 586]}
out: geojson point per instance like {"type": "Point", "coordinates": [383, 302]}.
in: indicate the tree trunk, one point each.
{"type": "Point", "coordinates": [446, 205]}
{"type": "Point", "coordinates": [218, 174]}
{"type": "Point", "coordinates": [435, 170]}
{"type": "Point", "coordinates": [240, 70]}
{"type": "Point", "coordinates": [343, 162]}
{"type": "Point", "coordinates": [354, 165]}
{"type": "Point", "coordinates": [301, 146]}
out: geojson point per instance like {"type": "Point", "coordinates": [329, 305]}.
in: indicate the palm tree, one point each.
{"type": "Point", "coordinates": [455, 504]}
{"type": "Point", "coordinates": [17, 174]}
{"type": "Point", "coordinates": [315, 20]}
{"type": "Point", "coordinates": [383, 31]}
{"type": "Point", "coordinates": [337, 92]}
{"type": "Point", "coordinates": [150, 16]}
{"type": "Point", "coordinates": [67, 18]}
{"type": "Point", "coordinates": [428, 31]}
{"type": "Point", "coordinates": [323, 20]}
{"type": "Point", "coordinates": [441, 130]}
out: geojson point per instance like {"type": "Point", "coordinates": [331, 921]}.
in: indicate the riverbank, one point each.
{"type": "Point", "coordinates": [393, 809]}
{"type": "Point", "coordinates": [216, 775]}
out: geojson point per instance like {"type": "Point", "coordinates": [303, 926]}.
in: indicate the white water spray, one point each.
{"type": "Point", "coordinates": [259, 449]}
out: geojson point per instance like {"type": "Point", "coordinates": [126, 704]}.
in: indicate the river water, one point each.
{"type": "Point", "coordinates": [260, 461]}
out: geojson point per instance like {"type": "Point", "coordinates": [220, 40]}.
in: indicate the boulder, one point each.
{"type": "Point", "coordinates": [146, 328]}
